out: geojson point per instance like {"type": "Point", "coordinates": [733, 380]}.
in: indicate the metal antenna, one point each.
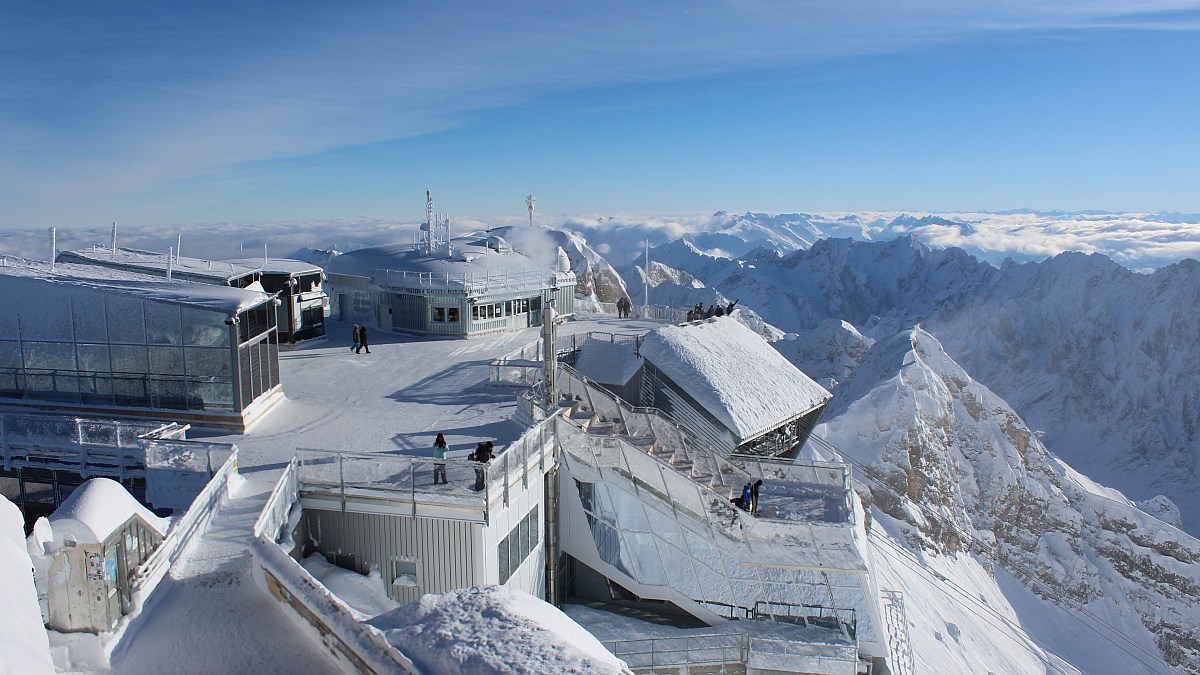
{"type": "Point", "coordinates": [530, 201]}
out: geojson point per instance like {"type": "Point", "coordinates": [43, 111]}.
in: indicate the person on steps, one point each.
{"type": "Point", "coordinates": [439, 452]}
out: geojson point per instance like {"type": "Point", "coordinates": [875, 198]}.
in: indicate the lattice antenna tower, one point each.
{"type": "Point", "coordinates": [435, 231]}
{"type": "Point", "coordinates": [531, 201]}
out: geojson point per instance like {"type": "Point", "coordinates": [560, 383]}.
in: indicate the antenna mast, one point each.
{"type": "Point", "coordinates": [530, 201]}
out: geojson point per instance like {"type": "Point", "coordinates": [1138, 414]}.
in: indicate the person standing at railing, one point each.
{"type": "Point", "coordinates": [439, 452]}
{"type": "Point", "coordinates": [483, 455]}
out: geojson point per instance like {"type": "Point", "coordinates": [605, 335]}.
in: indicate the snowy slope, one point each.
{"type": "Point", "coordinates": [984, 487]}
{"type": "Point", "coordinates": [1103, 361]}
{"type": "Point", "coordinates": [24, 649]}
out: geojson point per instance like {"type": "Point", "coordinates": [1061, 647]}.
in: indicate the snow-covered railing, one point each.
{"type": "Point", "coordinates": [775, 655]}
{"type": "Point", "coordinates": [325, 618]}
{"type": "Point", "coordinates": [283, 499]}
{"type": "Point", "coordinates": [186, 529]}
{"type": "Point", "coordinates": [660, 313]}
{"type": "Point", "coordinates": [470, 283]}
{"type": "Point", "coordinates": [88, 446]}
{"type": "Point", "coordinates": [713, 653]}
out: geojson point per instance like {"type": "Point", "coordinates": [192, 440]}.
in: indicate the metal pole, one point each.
{"type": "Point", "coordinates": [646, 301]}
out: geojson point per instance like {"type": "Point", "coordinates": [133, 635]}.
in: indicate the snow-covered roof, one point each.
{"type": "Point", "coordinates": [472, 263]}
{"type": "Point", "coordinates": [733, 374]}
{"type": "Point", "coordinates": [96, 509]}
{"type": "Point", "coordinates": [277, 265]}
{"type": "Point", "coordinates": [487, 630]}
{"type": "Point", "coordinates": [607, 362]}
{"type": "Point", "coordinates": [143, 286]}
{"type": "Point", "coordinates": [156, 263]}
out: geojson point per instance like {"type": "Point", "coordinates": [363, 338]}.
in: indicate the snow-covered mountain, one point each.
{"type": "Point", "coordinates": [956, 476]}
{"type": "Point", "coordinates": [1101, 360]}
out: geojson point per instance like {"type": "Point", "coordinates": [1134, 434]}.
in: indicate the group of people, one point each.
{"type": "Point", "coordinates": [748, 500]}
{"type": "Point", "coordinates": [360, 339]}
{"type": "Point", "coordinates": [624, 307]}
{"type": "Point", "coordinates": [484, 453]}
{"type": "Point", "coordinates": [698, 312]}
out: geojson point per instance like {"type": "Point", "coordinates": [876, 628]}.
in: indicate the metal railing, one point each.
{"type": "Point", "coordinates": [470, 283]}
{"type": "Point", "coordinates": [407, 479]}
{"type": "Point", "coordinates": [715, 652]}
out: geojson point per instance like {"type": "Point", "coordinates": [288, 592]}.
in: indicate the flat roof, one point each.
{"type": "Point", "coordinates": [277, 265]}
{"type": "Point", "coordinates": [67, 276]}
{"type": "Point", "coordinates": [156, 263]}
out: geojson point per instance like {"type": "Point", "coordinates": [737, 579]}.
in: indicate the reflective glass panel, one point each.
{"type": "Point", "coordinates": [166, 360]}
{"type": "Point", "coordinates": [88, 316]}
{"type": "Point", "coordinates": [204, 328]}
{"type": "Point", "coordinates": [126, 322]}
{"type": "Point", "coordinates": [163, 324]}
{"type": "Point", "coordinates": [128, 359]}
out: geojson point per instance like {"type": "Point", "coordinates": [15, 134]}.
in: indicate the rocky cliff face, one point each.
{"type": "Point", "coordinates": [963, 473]}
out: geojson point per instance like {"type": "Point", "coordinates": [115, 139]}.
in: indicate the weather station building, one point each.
{"type": "Point", "coordinates": [470, 285]}
{"type": "Point", "coordinates": [297, 284]}
{"type": "Point", "coordinates": [79, 339]}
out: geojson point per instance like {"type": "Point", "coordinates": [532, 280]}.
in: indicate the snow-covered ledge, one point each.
{"type": "Point", "coordinates": [184, 531]}
{"type": "Point", "coordinates": [356, 647]}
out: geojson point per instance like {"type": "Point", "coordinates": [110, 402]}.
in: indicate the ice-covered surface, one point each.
{"type": "Point", "coordinates": [96, 509]}
{"type": "Point", "coordinates": [733, 373]}
{"type": "Point", "coordinates": [156, 262]}
{"type": "Point", "coordinates": [75, 275]}
{"type": "Point", "coordinates": [489, 630]}
{"type": "Point", "coordinates": [24, 649]}
{"type": "Point", "coordinates": [607, 362]}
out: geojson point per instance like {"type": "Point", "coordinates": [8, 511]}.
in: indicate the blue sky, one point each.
{"type": "Point", "coordinates": [140, 113]}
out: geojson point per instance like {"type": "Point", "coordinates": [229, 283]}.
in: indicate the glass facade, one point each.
{"type": "Point", "coordinates": [108, 349]}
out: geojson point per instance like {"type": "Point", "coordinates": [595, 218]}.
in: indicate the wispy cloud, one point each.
{"type": "Point", "coordinates": [106, 104]}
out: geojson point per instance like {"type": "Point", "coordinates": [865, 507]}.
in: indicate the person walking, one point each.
{"type": "Point", "coordinates": [439, 452]}
{"type": "Point", "coordinates": [754, 497]}
{"type": "Point", "coordinates": [354, 337]}
{"type": "Point", "coordinates": [747, 496]}
{"type": "Point", "coordinates": [362, 341]}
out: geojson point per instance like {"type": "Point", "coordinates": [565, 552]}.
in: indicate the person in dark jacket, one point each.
{"type": "Point", "coordinates": [729, 309]}
{"type": "Point", "coordinates": [754, 497]}
{"type": "Point", "coordinates": [354, 338]}
{"type": "Point", "coordinates": [483, 455]}
{"type": "Point", "coordinates": [362, 340]}
{"type": "Point", "coordinates": [439, 452]}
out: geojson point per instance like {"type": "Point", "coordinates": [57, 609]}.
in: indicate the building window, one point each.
{"type": "Point", "coordinates": [452, 314]}
{"type": "Point", "coordinates": [439, 315]}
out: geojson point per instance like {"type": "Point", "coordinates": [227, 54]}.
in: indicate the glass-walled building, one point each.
{"type": "Point", "coordinates": [89, 339]}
